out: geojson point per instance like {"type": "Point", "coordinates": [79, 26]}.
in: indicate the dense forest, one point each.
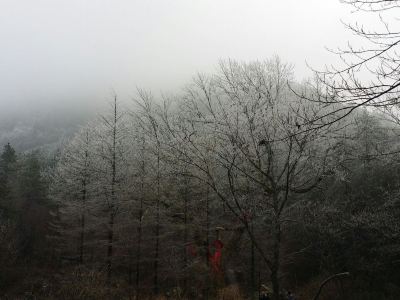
{"type": "Point", "coordinates": [247, 183]}
{"type": "Point", "coordinates": [222, 191]}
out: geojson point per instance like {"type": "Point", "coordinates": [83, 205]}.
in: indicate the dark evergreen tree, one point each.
{"type": "Point", "coordinates": [8, 161]}
{"type": "Point", "coordinates": [34, 206]}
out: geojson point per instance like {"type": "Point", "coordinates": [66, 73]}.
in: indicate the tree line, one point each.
{"type": "Point", "coordinates": [223, 190]}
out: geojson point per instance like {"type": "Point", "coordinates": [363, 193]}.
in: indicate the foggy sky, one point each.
{"type": "Point", "coordinates": [77, 51]}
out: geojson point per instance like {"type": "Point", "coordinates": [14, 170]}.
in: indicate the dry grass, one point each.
{"type": "Point", "coordinates": [231, 292]}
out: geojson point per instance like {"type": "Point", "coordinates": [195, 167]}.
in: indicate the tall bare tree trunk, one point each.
{"type": "Point", "coordinates": [82, 229]}
{"type": "Point", "coordinates": [113, 196]}
{"type": "Point", "coordinates": [207, 240]}
{"type": "Point", "coordinates": [82, 239]}
{"type": "Point", "coordinates": [157, 254]}
{"type": "Point", "coordinates": [138, 250]}
{"type": "Point", "coordinates": [84, 196]}
{"type": "Point", "coordinates": [276, 238]}
{"type": "Point", "coordinates": [185, 232]}
{"type": "Point", "coordinates": [252, 267]}
{"type": "Point", "coordinates": [110, 246]}
{"type": "Point", "coordinates": [139, 233]}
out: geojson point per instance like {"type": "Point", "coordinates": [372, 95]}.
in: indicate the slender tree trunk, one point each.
{"type": "Point", "coordinates": [185, 234]}
{"type": "Point", "coordinates": [259, 277]}
{"type": "Point", "coordinates": [130, 267]}
{"type": "Point", "coordinates": [276, 263]}
{"type": "Point", "coordinates": [139, 233]}
{"type": "Point", "coordinates": [82, 239]}
{"type": "Point", "coordinates": [113, 196]}
{"type": "Point", "coordinates": [276, 237]}
{"type": "Point", "coordinates": [252, 267]}
{"type": "Point", "coordinates": [138, 251]}
{"type": "Point", "coordinates": [82, 233]}
{"type": "Point", "coordinates": [207, 225]}
{"type": "Point", "coordinates": [84, 194]}
{"type": "Point", "coordinates": [156, 256]}
{"type": "Point", "coordinates": [110, 246]}
{"type": "Point", "coordinates": [207, 240]}
{"type": "Point", "coordinates": [275, 283]}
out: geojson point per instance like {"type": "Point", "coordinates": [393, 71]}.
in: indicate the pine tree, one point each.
{"type": "Point", "coordinates": [111, 151]}
{"type": "Point", "coordinates": [34, 205]}
{"type": "Point", "coordinates": [8, 160]}
{"type": "Point", "coordinates": [72, 189]}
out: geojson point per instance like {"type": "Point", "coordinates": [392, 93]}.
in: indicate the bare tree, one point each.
{"type": "Point", "coordinates": [150, 126]}
{"type": "Point", "coordinates": [242, 126]}
{"type": "Point", "coordinates": [111, 151]}
{"type": "Point", "coordinates": [369, 74]}
{"type": "Point", "coordinates": [72, 184]}
{"type": "Point", "coordinates": [138, 205]}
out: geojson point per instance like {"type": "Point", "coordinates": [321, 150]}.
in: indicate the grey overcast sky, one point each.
{"type": "Point", "coordinates": [79, 50]}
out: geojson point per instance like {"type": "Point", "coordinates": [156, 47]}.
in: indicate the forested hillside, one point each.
{"type": "Point", "coordinates": [221, 191]}
{"type": "Point", "coordinates": [43, 128]}
{"type": "Point", "coordinates": [211, 150]}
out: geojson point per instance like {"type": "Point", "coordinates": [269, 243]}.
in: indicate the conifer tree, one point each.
{"type": "Point", "coordinates": [8, 160]}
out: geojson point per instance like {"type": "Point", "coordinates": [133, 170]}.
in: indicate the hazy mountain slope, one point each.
{"type": "Point", "coordinates": [41, 129]}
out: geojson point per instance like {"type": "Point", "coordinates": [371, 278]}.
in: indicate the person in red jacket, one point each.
{"type": "Point", "coordinates": [215, 258]}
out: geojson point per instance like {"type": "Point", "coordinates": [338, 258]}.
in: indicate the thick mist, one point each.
{"type": "Point", "coordinates": [73, 53]}
{"type": "Point", "coordinates": [61, 61]}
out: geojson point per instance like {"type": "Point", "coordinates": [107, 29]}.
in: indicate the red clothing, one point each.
{"type": "Point", "coordinates": [215, 259]}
